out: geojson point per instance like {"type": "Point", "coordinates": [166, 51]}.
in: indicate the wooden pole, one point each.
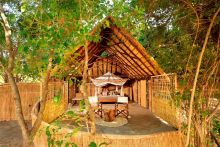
{"type": "Point", "coordinates": [95, 91]}
{"type": "Point", "coordinates": [74, 88]}
{"type": "Point", "coordinates": [150, 94]}
{"type": "Point", "coordinates": [121, 93]}
{"type": "Point", "coordinates": [137, 92]}
{"type": "Point", "coordinates": [116, 88]}
{"type": "Point", "coordinates": [41, 91]}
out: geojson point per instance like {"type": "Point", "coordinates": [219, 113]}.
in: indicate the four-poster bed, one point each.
{"type": "Point", "coordinates": [103, 96]}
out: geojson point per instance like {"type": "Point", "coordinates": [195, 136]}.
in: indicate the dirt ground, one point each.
{"type": "Point", "coordinates": [10, 134]}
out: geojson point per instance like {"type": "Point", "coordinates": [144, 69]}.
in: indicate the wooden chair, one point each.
{"type": "Point", "coordinates": [122, 106]}
{"type": "Point", "coordinates": [79, 97]}
{"type": "Point", "coordinates": [97, 107]}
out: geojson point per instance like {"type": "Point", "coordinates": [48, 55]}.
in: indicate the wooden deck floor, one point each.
{"type": "Point", "coordinates": [142, 122]}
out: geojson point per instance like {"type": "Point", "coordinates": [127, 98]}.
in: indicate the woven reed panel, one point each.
{"type": "Point", "coordinates": [30, 93]}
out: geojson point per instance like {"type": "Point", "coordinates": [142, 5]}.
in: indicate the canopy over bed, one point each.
{"type": "Point", "coordinates": [108, 78]}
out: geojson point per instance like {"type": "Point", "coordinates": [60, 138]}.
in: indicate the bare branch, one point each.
{"type": "Point", "coordinates": [7, 39]}
{"type": "Point", "coordinates": [216, 107]}
{"type": "Point", "coordinates": [1, 65]}
{"type": "Point", "coordinates": [213, 112]}
{"type": "Point", "coordinates": [215, 139]}
{"type": "Point", "coordinates": [6, 26]}
{"type": "Point", "coordinates": [197, 31]}
{"type": "Point", "coordinates": [197, 74]}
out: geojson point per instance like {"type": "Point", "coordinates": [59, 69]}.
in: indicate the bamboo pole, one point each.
{"type": "Point", "coordinates": [150, 94]}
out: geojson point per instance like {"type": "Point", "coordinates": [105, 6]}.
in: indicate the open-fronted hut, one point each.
{"type": "Point", "coordinates": [119, 53]}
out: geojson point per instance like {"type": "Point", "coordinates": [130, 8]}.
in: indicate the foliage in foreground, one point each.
{"type": "Point", "coordinates": [172, 31]}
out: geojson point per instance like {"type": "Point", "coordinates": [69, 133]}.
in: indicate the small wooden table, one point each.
{"type": "Point", "coordinates": [107, 100]}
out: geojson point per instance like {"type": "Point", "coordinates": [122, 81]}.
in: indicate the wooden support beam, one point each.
{"type": "Point", "coordinates": [81, 51]}
{"type": "Point", "coordinates": [134, 56]}
{"type": "Point", "coordinates": [130, 63]}
{"type": "Point", "coordinates": [140, 48]}
{"type": "Point", "coordinates": [124, 65]}
{"type": "Point", "coordinates": [134, 70]}
{"type": "Point", "coordinates": [150, 95]}
{"type": "Point", "coordinates": [138, 66]}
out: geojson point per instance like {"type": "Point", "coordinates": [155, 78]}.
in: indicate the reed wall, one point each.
{"type": "Point", "coordinates": [166, 110]}
{"type": "Point", "coordinates": [162, 98]}
{"type": "Point", "coordinates": [83, 139]}
{"type": "Point", "coordinates": [30, 94]}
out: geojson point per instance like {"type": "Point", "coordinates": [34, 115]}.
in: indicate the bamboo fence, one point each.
{"type": "Point", "coordinates": [30, 94]}
{"type": "Point", "coordinates": [162, 98]}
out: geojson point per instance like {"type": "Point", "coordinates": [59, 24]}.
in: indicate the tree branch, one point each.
{"type": "Point", "coordinates": [8, 41]}
{"type": "Point", "coordinates": [39, 119]}
{"type": "Point", "coordinates": [213, 112]}
{"type": "Point", "coordinates": [215, 139]}
{"type": "Point", "coordinates": [197, 31]}
{"type": "Point", "coordinates": [197, 74]}
{"type": "Point", "coordinates": [1, 65]}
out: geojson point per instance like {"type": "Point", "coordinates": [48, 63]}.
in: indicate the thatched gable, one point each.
{"type": "Point", "coordinates": [121, 48]}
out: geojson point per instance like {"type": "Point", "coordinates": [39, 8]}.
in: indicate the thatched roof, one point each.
{"type": "Point", "coordinates": [123, 48]}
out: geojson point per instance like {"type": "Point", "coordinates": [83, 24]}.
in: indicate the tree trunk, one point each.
{"type": "Point", "coordinates": [90, 114]}
{"type": "Point", "coordinates": [9, 70]}
{"type": "Point", "coordinates": [88, 106]}
{"type": "Point", "coordinates": [18, 108]}
{"type": "Point", "coordinates": [5, 77]}
{"type": "Point", "coordinates": [38, 121]}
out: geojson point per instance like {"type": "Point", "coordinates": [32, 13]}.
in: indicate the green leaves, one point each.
{"type": "Point", "coordinates": [59, 142]}
{"type": "Point", "coordinates": [25, 49]}
{"type": "Point", "coordinates": [82, 105]}
{"type": "Point", "coordinates": [49, 137]}
{"type": "Point", "coordinates": [48, 131]}
{"type": "Point", "coordinates": [103, 144]}
{"type": "Point", "coordinates": [57, 99]}
{"type": "Point", "coordinates": [67, 144]}
{"type": "Point", "coordinates": [93, 144]}
{"type": "Point", "coordinates": [71, 113]}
